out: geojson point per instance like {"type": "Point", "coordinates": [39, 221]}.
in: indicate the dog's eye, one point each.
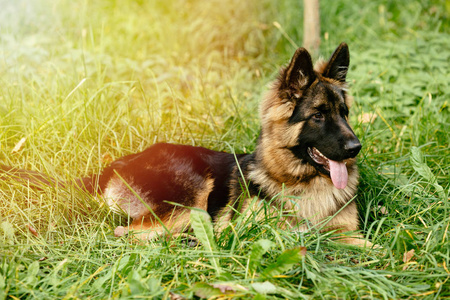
{"type": "Point", "coordinates": [344, 111]}
{"type": "Point", "coordinates": [318, 116]}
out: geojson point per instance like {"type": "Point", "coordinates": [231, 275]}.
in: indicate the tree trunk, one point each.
{"type": "Point", "coordinates": [311, 26]}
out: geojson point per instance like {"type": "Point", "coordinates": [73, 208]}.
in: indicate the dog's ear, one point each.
{"type": "Point", "coordinates": [337, 66]}
{"type": "Point", "coordinates": [300, 72]}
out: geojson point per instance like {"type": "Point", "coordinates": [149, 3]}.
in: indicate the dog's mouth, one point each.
{"type": "Point", "coordinates": [337, 169]}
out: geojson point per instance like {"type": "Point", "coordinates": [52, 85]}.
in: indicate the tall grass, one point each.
{"type": "Point", "coordinates": [85, 82]}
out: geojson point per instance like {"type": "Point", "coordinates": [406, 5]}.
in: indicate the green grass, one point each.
{"type": "Point", "coordinates": [86, 82]}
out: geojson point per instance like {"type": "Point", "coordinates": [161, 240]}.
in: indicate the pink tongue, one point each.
{"type": "Point", "coordinates": [338, 173]}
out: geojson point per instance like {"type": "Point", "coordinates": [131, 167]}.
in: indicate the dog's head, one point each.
{"type": "Point", "coordinates": [306, 114]}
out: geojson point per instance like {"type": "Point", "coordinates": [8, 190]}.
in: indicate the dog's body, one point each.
{"type": "Point", "coordinates": [304, 162]}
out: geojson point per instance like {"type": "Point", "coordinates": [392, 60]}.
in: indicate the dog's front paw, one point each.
{"type": "Point", "coordinates": [120, 231]}
{"type": "Point", "coordinates": [360, 242]}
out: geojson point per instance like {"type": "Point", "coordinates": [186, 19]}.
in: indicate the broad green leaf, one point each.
{"type": "Point", "coordinates": [205, 291]}
{"type": "Point", "coordinates": [8, 232]}
{"type": "Point", "coordinates": [420, 166]}
{"type": "Point", "coordinates": [259, 248]}
{"type": "Point", "coordinates": [203, 229]}
{"type": "Point", "coordinates": [33, 270]}
{"type": "Point", "coordinates": [99, 282]}
{"type": "Point", "coordinates": [154, 284]}
{"type": "Point", "coordinates": [3, 288]}
{"type": "Point", "coordinates": [259, 297]}
{"type": "Point", "coordinates": [135, 283]}
{"type": "Point", "coordinates": [285, 261]}
{"type": "Point", "coordinates": [54, 278]}
{"type": "Point", "coordinates": [122, 263]}
{"type": "Point", "coordinates": [265, 287]}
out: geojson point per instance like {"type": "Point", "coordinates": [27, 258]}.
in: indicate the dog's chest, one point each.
{"type": "Point", "coordinates": [314, 200]}
{"type": "Point", "coordinates": [319, 199]}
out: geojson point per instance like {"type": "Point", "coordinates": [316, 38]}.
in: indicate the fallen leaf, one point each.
{"type": "Point", "coordinates": [174, 296]}
{"type": "Point", "coordinates": [19, 145]}
{"type": "Point", "coordinates": [329, 257]}
{"type": "Point", "coordinates": [408, 255]}
{"type": "Point", "coordinates": [229, 287]}
{"type": "Point", "coordinates": [367, 117]}
{"type": "Point", "coordinates": [354, 260]}
{"type": "Point", "coordinates": [32, 230]}
{"type": "Point", "coordinates": [206, 291]}
{"type": "Point", "coordinates": [383, 210]}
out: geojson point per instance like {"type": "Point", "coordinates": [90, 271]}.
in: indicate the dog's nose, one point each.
{"type": "Point", "coordinates": [353, 147]}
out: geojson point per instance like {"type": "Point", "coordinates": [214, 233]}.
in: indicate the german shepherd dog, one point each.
{"type": "Point", "coordinates": [304, 162]}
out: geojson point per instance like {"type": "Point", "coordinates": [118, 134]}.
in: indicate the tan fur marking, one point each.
{"type": "Point", "coordinates": [223, 218]}
{"type": "Point", "coordinates": [146, 227]}
{"type": "Point", "coordinates": [273, 108]}
{"type": "Point", "coordinates": [314, 200]}
{"type": "Point", "coordinates": [349, 101]}
{"type": "Point", "coordinates": [120, 197]}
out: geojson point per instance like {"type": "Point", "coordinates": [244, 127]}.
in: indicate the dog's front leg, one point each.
{"type": "Point", "coordinates": [142, 228]}
{"type": "Point", "coordinates": [346, 221]}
